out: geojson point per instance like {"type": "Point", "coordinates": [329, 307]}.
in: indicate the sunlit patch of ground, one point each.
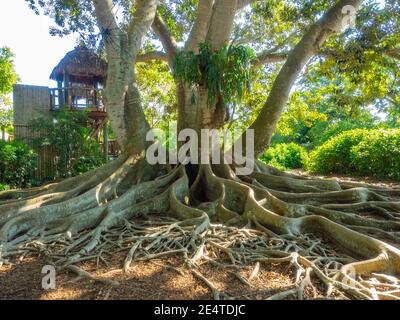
{"type": "Point", "coordinates": [370, 180]}
{"type": "Point", "coordinates": [158, 279]}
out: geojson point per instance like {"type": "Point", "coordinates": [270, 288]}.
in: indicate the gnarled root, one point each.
{"type": "Point", "coordinates": [344, 234]}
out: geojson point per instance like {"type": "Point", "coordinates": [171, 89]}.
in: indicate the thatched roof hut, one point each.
{"type": "Point", "coordinates": [82, 66]}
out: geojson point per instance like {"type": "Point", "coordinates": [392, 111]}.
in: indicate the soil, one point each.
{"type": "Point", "coordinates": [156, 279]}
{"type": "Point", "coordinates": [368, 179]}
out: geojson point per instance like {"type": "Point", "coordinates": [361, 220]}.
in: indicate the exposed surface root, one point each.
{"type": "Point", "coordinates": [331, 232]}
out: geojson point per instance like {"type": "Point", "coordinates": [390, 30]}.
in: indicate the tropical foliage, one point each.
{"type": "Point", "coordinates": [68, 134]}
{"type": "Point", "coordinates": [225, 72]}
{"type": "Point", "coordinates": [7, 74]}
{"type": "Point", "coordinates": [286, 156]}
{"type": "Point", "coordinates": [360, 152]}
{"type": "Point", "coordinates": [8, 78]}
{"type": "Point", "coordinates": [17, 163]}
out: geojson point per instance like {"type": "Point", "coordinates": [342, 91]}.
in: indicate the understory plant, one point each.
{"type": "Point", "coordinates": [68, 134]}
{"type": "Point", "coordinates": [17, 163]}
{"type": "Point", "coordinates": [224, 72]}
{"type": "Point", "coordinates": [286, 156]}
{"type": "Point", "coordinates": [365, 152]}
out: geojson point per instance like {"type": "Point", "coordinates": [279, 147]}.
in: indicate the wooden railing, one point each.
{"type": "Point", "coordinates": [77, 98]}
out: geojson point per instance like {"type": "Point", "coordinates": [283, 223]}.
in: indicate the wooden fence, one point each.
{"type": "Point", "coordinates": [113, 148]}
{"type": "Point", "coordinates": [46, 156]}
{"type": "Point", "coordinates": [46, 168]}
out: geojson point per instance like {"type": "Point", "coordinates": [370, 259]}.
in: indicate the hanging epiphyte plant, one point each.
{"type": "Point", "coordinates": [225, 72]}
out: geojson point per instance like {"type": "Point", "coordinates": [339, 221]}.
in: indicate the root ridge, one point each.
{"type": "Point", "coordinates": [346, 235]}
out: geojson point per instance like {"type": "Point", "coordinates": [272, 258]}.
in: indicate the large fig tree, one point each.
{"type": "Point", "coordinates": [198, 208]}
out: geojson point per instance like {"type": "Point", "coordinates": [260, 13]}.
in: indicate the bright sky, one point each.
{"type": "Point", "coordinates": [36, 52]}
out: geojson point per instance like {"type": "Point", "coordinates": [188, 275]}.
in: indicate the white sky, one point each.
{"type": "Point", "coordinates": [36, 52]}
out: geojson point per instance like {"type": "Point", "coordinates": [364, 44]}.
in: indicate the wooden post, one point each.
{"type": "Point", "coordinates": [60, 95]}
{"type": "Point", "coordinates": [105, 140]}
{"type": "Point", "coordinates": [67, 95]}
{"type": "Point", "coordinates": [96, 88]}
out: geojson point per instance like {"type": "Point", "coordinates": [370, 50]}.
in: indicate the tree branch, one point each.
{"type": "Point", "coordinates": [393, 53]}
{"type": "Point", "coordinates": [392, 101]}
{"type": "Point", "coordinates": [309, 45]}
{"type": "Point", "coordinates": [108, 27]}
{"type": "Point", "coordinates": [149, 56]}
{"type": "Point", "coordinates": [144, 17]}
{"type": "Point", "coordinates": [267, 57]}
{"type": "Point", "coordinates": [200, 26]}
{"type": "Point", "coordinates": [104, 15]}
{"type": "Point", "coordinates": [221, 23]}
{"type": "Point", "coordinates": [168, 41]}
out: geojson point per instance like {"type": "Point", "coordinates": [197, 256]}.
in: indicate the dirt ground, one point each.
{"type": "Point", "coordinates": [157, 279]}
{"type": "Point", "coordinates": [370, 180]}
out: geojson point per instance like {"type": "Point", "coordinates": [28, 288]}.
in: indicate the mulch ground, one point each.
{"type": "Point", "coordinates": [158, 279]}
{"type": "Point", "coordinates": [387, 183]}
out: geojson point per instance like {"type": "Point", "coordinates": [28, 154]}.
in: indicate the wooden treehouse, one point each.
{"type": "Point", "coordinates": [81, 76]}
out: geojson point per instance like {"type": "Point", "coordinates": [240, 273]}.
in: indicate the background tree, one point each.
{"type": "Point", "coordinates": [202, 41]}
{"type": "Point", "coordinates": [8, 78]}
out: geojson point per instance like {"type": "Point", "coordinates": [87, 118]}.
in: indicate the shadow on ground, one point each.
{"type": "Point", "coordinates": [159, 279]}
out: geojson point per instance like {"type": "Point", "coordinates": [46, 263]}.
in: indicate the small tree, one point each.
{"type": "Point", "coordinates": [68, 135]}
{"type": "Point", "coordinates": [8, 78]}
{"type": "Point", "coordinates": [6, 120]}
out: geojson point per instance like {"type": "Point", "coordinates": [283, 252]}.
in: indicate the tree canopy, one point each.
{"type": "Point", "coordinates": [353, 73]}
{"type": "Point", "coordinates": [8, 78]}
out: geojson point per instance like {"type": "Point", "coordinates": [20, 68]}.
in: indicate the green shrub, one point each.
{"type": "Point", "coordinates": [323, 131]}
{"type": "Point", "coordinates": [4, 187]}
{"type": "Point", "coordinates": [334, 155]}
{"type": "Point", "coordinates": [17, 161]}
{"type": "Point", "coordinates": [378, 154]}
{"type": "Point", "coordinates": [92, 158]}
{"type": "Point", "coordinates": [360, 152]}
{"type": "Point", "coordinates": [286, 156]}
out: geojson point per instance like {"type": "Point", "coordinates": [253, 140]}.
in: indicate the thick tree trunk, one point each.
{"type": "Point", "coordinates": [221, 23]}
{"type": "Point", "coordinates": [122, 96]}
